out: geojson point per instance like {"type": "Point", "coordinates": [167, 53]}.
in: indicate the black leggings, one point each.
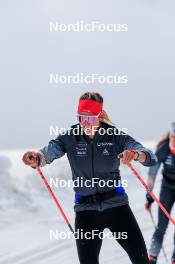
{"type": "Point", "coordinates": [167, 198]}
{"type": "Point", "coordinates": [117, 220]}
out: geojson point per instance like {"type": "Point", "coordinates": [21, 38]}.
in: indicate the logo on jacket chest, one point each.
{"type": "Point", "coordinates": [81, 149]}
{"type": "Point", "coordinates": [169, 160]}
{"type": "Point", "coordinates": [100, 148]}
{"type": "Point", "coordinates": [105, 148]}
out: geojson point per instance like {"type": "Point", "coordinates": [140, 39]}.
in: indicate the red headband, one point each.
{"type": "Point", "coordinates": [90, 106]}
{"type": "Point", "coordinates": [172, 151]}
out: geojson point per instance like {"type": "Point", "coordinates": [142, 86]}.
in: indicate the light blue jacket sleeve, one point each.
{"type": "Point", "coordinates": [153, 170]}
{"type": "Point", "coordinates": [54, 150]}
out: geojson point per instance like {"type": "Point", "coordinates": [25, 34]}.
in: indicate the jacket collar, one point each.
{"type": "Point", "coordinates": [97, 134]}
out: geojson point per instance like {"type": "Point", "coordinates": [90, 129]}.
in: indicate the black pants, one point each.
{"type": "Point", "coordinates": [167, 198]}
{"type": "Point", "coordinates": [117, 219]}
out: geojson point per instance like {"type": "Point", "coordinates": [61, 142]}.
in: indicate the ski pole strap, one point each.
{"type": "Point", "coordinates": [152, 194]}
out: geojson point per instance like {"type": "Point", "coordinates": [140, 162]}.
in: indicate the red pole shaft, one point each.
{"type": "Point", "coordinates": [152, 194]}
{"type": "Point", "coordinates": [55, 199]}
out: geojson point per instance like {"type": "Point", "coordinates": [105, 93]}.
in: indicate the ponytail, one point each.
{"type": "Point", "coordinates": [104, 117]}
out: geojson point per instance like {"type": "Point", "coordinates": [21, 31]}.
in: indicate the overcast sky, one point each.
{"type": "Point", "coordinates": [29, 53]}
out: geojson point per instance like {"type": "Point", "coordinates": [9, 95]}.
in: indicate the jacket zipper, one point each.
{"type": "Point", "coordinates": [92, 148]}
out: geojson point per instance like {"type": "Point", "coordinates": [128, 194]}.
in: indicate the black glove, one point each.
{"type": "Point", "coordinates": [149, 199]}
{"type": "Point", "coordinates": [38, 160]}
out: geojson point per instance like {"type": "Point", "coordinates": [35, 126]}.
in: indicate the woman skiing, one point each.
{"type": "Point", "coordinates": [166, 155]}
{"type": "Point", "coordinates": [93, 156]}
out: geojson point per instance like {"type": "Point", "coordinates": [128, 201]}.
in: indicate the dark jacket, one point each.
{"type": "Point", "coordinates": [167, 159]}
{"type": "Point", "coordinates": [97, 158]}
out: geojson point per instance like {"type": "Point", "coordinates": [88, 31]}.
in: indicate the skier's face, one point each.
{"type": "Point", "coordinates": [88, 121]}
{"type": "Point", "coordinates": [172, 141]}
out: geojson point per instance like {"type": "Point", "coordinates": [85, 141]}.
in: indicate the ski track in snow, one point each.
{"type": "Point", "coordinates": [38, 255]}
{"type": "Point", "coordinates": [31, 243]}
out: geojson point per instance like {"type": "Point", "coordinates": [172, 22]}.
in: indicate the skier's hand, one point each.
{"type": "Point", "coordinates": [128, 156]}
{"type": "Point", "coordinates": [30, 158]}
{"type": "Point", "coordinates": [149, 202]}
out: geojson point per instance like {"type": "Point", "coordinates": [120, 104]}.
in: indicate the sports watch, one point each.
{"type": "Point", "coordinates": [139, 154]}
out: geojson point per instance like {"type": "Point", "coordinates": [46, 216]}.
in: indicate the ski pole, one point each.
{"type": "Point", "coordinates": [55, 199]}
{"type": "Point", "coordinates": [151, 193]}
{"type": "Point", "coordinates": [163, 249]}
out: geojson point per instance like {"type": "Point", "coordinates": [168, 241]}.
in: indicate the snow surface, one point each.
{"type": "Point", "coordinates": [28, 214]}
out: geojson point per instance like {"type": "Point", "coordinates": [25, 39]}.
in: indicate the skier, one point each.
{"type": "Point", "coordinates": [93, 154]}
{"type": "Point", "coordinates": [166, 155]}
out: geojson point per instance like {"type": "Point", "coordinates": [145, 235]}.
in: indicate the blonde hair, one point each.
{"type": "Point", "coordinates": [98, 98]}
{"type": "Point", "coordinates": [106, 118]}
